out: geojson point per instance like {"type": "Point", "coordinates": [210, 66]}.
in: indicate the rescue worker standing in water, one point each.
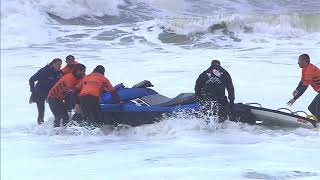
{"type": "Point", "coordinates": [91, 87]}
{"type": "Point", "coordinates": [58, 93]}
{"type": "Point", "coordinates": [70, 63]}
{"type": "Point", "coordinates": [310, 76]}
{"type": "Point", "coordinates": [211, 85]}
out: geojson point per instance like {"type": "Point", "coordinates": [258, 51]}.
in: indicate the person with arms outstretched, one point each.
{"type": "Point", "coordinates": [310, 76]}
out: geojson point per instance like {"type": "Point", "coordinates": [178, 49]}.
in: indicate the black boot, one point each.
{"type": "Point", "coordinates": [56, 123]}
{"type": "Point", "coordinates": [40, 121]}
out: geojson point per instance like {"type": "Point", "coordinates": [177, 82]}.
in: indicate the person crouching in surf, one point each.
{"type": "Point", "coordinates": [58, 93]}
{"type": "Point", "coordinates": [310, 76]}
{"type": "Point", "coordinates": [210, 89]}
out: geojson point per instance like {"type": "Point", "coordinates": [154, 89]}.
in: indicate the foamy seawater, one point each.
{"type": "Point", "coordinates": [169, 43]}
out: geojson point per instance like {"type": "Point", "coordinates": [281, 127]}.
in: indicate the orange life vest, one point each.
{"type": "Point", "coordinates": [68, 68]}
{"type": "Point", "coordinates": [64, 86]}
{"type": "Point", "coordinates": [94, 84]}
{"type": "Point", "coordinates": [311, 76]}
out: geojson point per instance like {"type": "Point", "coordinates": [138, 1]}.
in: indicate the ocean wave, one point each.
{"type": "Point", "coordinates": [35, 22]}
{"type": "Point", "coordinates": [26, 23]}
{"type": "Point", "coordinates": [288, 25]}
{"type": "Point", "coordinates": [23, 24]}
{"type": "Point", "coordinates": [68, 9]}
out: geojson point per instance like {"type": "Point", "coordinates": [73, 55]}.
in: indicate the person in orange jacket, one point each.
{"type": "Point", "coordinates": [58, 93]}
{"type": "Point", "coordinates": [91, 88]}
{"type": "Point", "coordinates": [310, 76]}
{"type": "Point", "coordinates": [70, 63]}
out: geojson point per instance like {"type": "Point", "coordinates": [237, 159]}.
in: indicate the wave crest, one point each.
{"type": "Point", "coordinates": [68, 9]}
{"type": "Point", "coordinates": [291, 25]}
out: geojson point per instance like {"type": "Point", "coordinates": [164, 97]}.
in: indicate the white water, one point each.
{"type": "Point", "coordinates": [263, 66]}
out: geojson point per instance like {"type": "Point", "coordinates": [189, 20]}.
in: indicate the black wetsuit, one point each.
{"type": "Point", "coordinates": [210, 88]}
{"type": "Point", "coordinates": [314, 107]}
{"type": "Point", "coordinates": [211, 85]}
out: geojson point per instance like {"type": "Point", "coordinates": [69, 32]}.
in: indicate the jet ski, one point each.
{"type": "Point", "coordinates": [143, 105]}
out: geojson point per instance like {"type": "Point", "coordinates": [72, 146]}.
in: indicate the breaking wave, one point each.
{"type": "Point", "coordinates": [35, 22]}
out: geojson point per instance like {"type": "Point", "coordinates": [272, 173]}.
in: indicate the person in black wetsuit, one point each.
{"type": "Point", "coordinates": [210, 88]}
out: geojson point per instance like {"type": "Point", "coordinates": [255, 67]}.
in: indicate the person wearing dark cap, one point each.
{"type": "Point", "coordinates": [211, 85]}
{"type": "Point", "coordinates": [310, 76]}
{"type": "Point", "coordinates": [91, 88]}
{"type": "Point", "coordinates": [70, 60]}
{"type": "Point", "coordinates": [46, 77]}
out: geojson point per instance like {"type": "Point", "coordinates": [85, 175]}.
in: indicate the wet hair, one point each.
{"type": "Point", "coordinates": [55, 60]}
{"type": "Point", "coordinates": [77, 67]}
{"type": "Point", "coordinates": [99, 69]}
{"type": "Point", "coordinates": [69, 57]}
{"type": "Point", "coordinates": [215, 62]}
{"type": "Point", "coordinates": [305, 57]}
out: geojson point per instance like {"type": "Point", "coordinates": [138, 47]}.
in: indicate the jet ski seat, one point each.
{"type": "Point", "coordinates": [155, 99]}
{"type": "Point", "coordinates": [160, 100]}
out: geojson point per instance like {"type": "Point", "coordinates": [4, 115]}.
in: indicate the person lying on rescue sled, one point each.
{"type": "Point", "coordinates": [91, 88]}
{"type": "Point", "coordinates": [310, 76]}
{"type": "Point", "coordinates": [58, 93]}
{"type": "Point", "coordinates": [210, 89]}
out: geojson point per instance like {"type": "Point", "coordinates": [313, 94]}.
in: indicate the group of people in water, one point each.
{"type": "Point", "coordinates": [70, 88]}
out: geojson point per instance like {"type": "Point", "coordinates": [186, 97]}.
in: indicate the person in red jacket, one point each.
{"type": "Point", "coordinates": [310, 76]}
{"type": "Point", "coordinates": [91, 88]}
{"type": "Point", "coordinates": [70, 63]}
{"type": "Point", "coordinates": [58, 93]}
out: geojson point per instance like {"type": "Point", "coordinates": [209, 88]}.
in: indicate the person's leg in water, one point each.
{"type": "Point", "coordinates": [65, 113]}
{"type": "Point", "coordinates": [84, 109]}
{"type": "Point", "coordinates": [41, 107]}
{"type": "Point", "coordinates": [59, 111]}
{"type": "Point", "coordinates": [207, 106]}
{"type": "Point", "coordinates": [88, 106]}
{"type": "Point", "coordinates": [55, 109]}
{"type": "Point", "coordinates": [77, 113]}
{"type": "Point", "coordinates": [223, 109]}
{"type": "Point", "coordinates": [314, 107]}
{"type": "Point", "coordinates": [215, 107]}
{"type": "Point", "coordinates": [94, 109]}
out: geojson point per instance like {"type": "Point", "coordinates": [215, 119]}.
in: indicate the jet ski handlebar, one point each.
{"type": "Point", "coordinates": [297, 113]}
{"type": "Point", "coordinates": [256, 104]}
{"type": "Point", "coordinates": [280, 109]}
